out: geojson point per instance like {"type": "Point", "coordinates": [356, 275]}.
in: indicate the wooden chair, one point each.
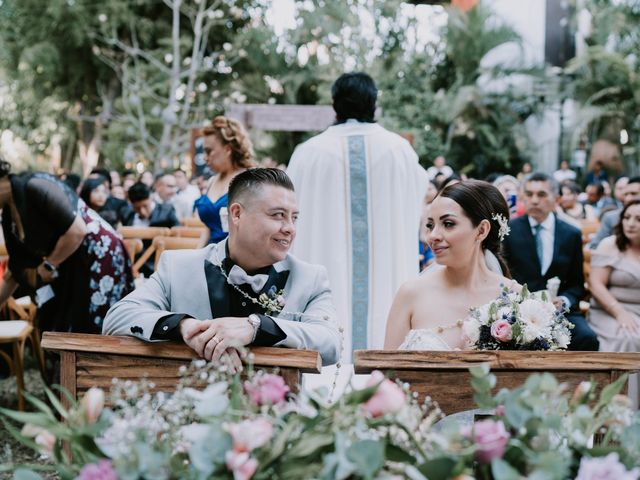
{"type": "Point", "coordinates": [160, 244]}
{"type": "Point", "coordinates": [15, 333]}
{"type": "Point", "coordinates": [201, 233]}
{"type": "Point", "coordinates": [143, 233]}
{"type": "Point", "coordinates": [134, 246]}
{"type": "Point", "coordinates": [589, 229]}
{"type": "Point", "coordinates": [192, 222]}
{"type": "Point", "coordinates": [24, 309]}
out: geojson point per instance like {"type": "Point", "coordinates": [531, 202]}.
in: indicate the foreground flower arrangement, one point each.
{"type": "Point", "coordinates": [217, 426]}
{"type": "Point", "coordinates": [518, 321]}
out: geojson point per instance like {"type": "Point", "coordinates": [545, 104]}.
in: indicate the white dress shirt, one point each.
{"type": "Point", "coordinates": [547, 234]}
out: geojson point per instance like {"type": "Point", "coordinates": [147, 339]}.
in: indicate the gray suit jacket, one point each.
{"type": "Point", "coordinates": [607, 223]}
{"type": "Point", "coordinates": [180, 286]}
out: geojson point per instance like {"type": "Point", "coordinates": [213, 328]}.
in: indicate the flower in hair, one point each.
{"type": "Point", "coordinates": [504, 225]}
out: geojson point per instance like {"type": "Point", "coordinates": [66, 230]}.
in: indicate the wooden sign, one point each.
{"type": "Point", "coordinates": [285, 118]}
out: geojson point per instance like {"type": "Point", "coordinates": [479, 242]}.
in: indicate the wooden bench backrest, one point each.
{"type": "Point", "coordinates": [144, 233]}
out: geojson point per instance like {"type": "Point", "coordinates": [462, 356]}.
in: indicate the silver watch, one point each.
{"type": "Point", "coordinates": [254, 320]}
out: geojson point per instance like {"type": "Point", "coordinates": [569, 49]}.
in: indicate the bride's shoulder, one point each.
{"type": "Point", "coordinates": [416, 286]}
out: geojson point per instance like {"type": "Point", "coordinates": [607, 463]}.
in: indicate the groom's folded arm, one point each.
{"type": "Point", "coordinates": [168, 328]}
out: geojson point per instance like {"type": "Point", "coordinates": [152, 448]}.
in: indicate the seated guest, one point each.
{"type": "Point", "coordinates": [94, 193]}
{"type": "Point", "coordinates": [570, 206]}
{"type": "Point", "coordinates": [185, 196]}
{"type": "Point", "coordinates": [541, 247]}
{"type": "Point", "coordinates": [165, 189]}
{"type": "Point", "coordinates": [610, 219]}
{"type": "Point", "coordinates": [597, 199]}
{"type": "Point", "coordinates": [115, 210]}
{"type": "Point", "coordinates": [246, 290]}
{"type": "Point", "coordinates": [148, 213]}
{"type": "Point", "coordinates": [614, 281]}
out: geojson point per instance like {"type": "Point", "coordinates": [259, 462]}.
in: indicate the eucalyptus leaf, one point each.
{"type": "Point", "coordinates": [438, 468]}
{"type": "Point", "coordinates": [24, 474]}
{"type": "Point", "coordinates": [368, 456]}
{"type": "Point", "coordinates": [209, 450]}
{"type": "Point", "coordinates": [501, 470]}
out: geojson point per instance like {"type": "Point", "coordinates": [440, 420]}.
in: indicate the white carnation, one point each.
{"type": "Point", "coordinates": [537, 318]}
{"type": "Point", "coordinates": [562, 337]}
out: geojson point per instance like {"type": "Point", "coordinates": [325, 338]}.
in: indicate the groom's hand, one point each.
{"type": "Point", "coordinates": [211, 338]}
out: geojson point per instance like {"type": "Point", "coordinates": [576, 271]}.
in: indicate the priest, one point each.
{"type": "Point", "coordinates": [361, 189]}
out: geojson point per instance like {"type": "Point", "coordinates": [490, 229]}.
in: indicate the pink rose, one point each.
{"type": "Point", "coordinates": [500, 411]}
{"type": "Point", "coordinates": [241, 464]}
{"type": "Point", "coordinates": [491, 440]}
{"type": "Point", "coordinates": [501, 331]}
{"type": "Point", "coordinates": [250, 434]}
{"type": "Point", "coordinates": [388, 398]}
{"type": "Point", "coordinates": [93, 403]}
{"type": "Point", "coordinates": [266, 389]}
{"type": "Point", "coordinates": [103, 470]}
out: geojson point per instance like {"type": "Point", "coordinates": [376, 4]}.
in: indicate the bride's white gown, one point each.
{"type": "Point", "coordinates": [424, 339]}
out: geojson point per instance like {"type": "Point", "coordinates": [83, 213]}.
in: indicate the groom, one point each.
{"type": "Point", "coordinates": [246, 290]}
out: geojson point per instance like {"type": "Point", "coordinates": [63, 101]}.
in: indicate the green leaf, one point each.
{"type": "Point", "coordinates": [397, 454]}
{"type": "Point", "coordinates": [209, 450]}
{"type": "Point", "coordinates": [36, 418]}
{"type": "Point", "coordinates": [438, 468]}
{"type": "Point", "coordinates": [308, 445]}
{"type": "Point", "coordinates": [53, 399]}
{"type": "Point", "coordinates": [368, 456]}
{"type": "Point", "coordinates": [358, 397]}
{"type": "Point", "coordinates": [610, 391]}
{"type": "Point", "coordinates": [501, 470]}
{"type": "Point", "coordinates": [24, 474]}
{"type": "Point", "coordinates": [479, 371]}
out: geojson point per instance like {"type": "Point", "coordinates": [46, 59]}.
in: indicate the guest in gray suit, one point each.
{"type": "Point", "coordinates": [245, 290]}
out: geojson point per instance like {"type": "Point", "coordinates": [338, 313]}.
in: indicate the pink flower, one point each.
{"type": "Point", "coordinates": [46, 441]}
{"type": "Point", "coordinates": [103, 470]}
{"type": "Point", "coordinates": [266, 389]}
{"type": "Point", "coordinates": [501, 331]}
{"type": "Point", "coordinates": [241, 464]}
{"type": "Point", "coordinates": [250, 434]}
{"type": "Point", "coordinates": [605, 468]}
{"type": "Point", "coordinates": [93, 403]}
{"type": "Point", "coordinates": [500, 411]}
{"type": "Point", "coordinates": [491, 440]}
{"type": "Point", "coordinates": [388, 398]}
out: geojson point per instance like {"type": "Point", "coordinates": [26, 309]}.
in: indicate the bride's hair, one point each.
{"type": "Point", "coordinates": [482, 201]}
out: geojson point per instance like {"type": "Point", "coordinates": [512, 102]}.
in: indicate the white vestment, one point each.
{"type": "Point", "coordinates": [358, 179]}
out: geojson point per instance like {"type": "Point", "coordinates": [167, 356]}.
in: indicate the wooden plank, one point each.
{"type": "Point", "coordinates": [367, 360]}
{"type": "Point", "coordinates": [68, 375]}
{"type": "Point", "coordinates": [451, 389]}
{"type": "Point", "coordinates": [306, 361]}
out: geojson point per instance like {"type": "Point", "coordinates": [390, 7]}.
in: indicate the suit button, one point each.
{"type": "Point", "coordinates": [244, 304]}
{"type": "Point", "coordinates": [165, 328]}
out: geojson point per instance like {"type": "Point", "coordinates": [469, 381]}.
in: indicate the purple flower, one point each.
{"type": "Point", "coordinates": [103, 470]}
{"type": "Point", "coordinates": [605, 468]}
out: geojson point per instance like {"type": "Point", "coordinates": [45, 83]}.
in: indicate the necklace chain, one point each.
{"type": "Point", "coordinates": [218, 263]}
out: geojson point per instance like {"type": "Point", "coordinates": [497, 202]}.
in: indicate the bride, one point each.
{"type": "Point", "coordinates": [465, 226]}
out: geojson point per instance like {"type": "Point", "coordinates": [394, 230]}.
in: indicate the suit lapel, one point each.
{"type": "Point", "coordinates": [218, 292]}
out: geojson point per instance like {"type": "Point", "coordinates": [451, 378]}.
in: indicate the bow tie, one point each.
{"type": "Point", "coordinates": [237, 276]}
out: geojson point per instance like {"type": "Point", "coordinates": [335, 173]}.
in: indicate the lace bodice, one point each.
{"type": "Point", "coordinates": [424, 339]}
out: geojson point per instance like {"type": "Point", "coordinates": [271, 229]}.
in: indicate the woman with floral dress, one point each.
{"type": "Point", "coordinates": [71, 258]}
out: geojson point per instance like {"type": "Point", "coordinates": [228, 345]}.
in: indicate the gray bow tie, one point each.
{"type": "Point", "coordinates": [237, 276]}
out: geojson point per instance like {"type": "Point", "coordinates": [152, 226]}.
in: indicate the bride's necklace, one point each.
{"type": "Point", "coordinates": [457, 324]}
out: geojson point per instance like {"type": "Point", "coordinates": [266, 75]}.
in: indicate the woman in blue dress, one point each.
{"type": "Point", "coordinates": [229, 152]}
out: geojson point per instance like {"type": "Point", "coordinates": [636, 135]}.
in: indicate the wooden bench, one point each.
{"type": "Point", "coordinates": [93, 360]}
{"type": "Point", "coordinates": [444, 376]}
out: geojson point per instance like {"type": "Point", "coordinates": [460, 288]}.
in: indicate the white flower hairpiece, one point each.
{"type": "Point", "coordinates": [504, 225]}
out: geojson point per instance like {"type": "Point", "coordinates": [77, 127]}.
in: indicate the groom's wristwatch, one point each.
{"type": "Point", "coordinates": [255, 322]}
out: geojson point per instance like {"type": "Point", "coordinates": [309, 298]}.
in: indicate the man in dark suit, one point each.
{"type": "Point", "coordinates": [147, 213]}
{"type": "Point", "coordinates": [540, 247]}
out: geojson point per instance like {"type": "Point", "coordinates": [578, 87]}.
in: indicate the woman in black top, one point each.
{"type": "Point", "coordinates": [53, 238]}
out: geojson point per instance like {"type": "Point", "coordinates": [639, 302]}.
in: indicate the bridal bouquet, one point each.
{"type": "Point", "coordinates": [518, 321]}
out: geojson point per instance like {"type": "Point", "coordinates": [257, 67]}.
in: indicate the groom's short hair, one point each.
{"type": "Point", "coordinates": [251, 181]}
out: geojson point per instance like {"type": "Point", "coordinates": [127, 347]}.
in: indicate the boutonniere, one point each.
{"type": "Point", "coordinates": [272, 301]}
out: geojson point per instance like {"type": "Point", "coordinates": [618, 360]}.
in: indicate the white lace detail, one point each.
{"type": "Point", "coordinates": [424, 339]}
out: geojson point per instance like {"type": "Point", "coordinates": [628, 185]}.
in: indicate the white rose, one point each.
{"type": "Point", "coordinates": [561, 337]}
{"type": "Point", "coordinates": [471, 329]}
